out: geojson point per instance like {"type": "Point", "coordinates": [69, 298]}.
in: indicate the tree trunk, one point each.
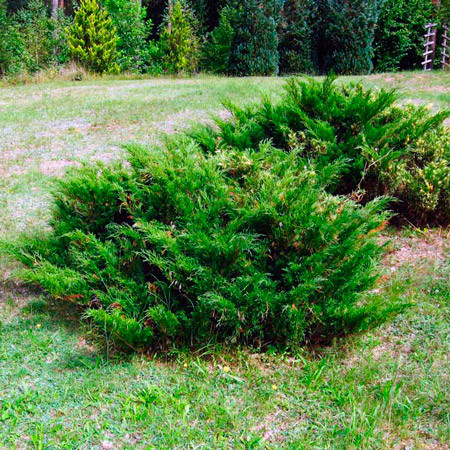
{"type": "Point", "coordinates": [54, 7]}
{"type": "Point", "coordinates": [169, 25]}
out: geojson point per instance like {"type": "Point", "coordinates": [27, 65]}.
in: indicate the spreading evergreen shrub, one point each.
{"type": "Point", "coordinates": [348, 30]}
{"type": "Point", "coordinates": [179, 42]}
{"type": "Point", "coordinates": [184, 247]}
{"type": "Point", "coordinates": [297, 32]}
{"type": "Point", "coordinates": [93, 38]}
{"type": "Point", "coordinates": [128, 17]}
{"type": "Point", "coordinates": [330, 122]}
{"type": "Point", "coordinates": [399, 34]}
{"type": "Point", "coordinates": [254, 50]}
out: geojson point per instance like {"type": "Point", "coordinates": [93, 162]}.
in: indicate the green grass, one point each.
{"type": "Point", "coordinates": [62, 388]}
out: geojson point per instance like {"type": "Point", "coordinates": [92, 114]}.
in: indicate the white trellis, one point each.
{"type": "Point", "coordinates": [430, 46]}
{"type": "Point", "coordinates": [446, 48]}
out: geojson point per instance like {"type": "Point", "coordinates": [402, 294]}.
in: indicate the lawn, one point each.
{"type": "Point", "coordinates": [60, 387]}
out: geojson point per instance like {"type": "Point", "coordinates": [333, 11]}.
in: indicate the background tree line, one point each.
{"type": "Point", "coordinates": [233, 37]}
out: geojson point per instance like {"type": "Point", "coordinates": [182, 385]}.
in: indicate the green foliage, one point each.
{"type": "Point", "coordinates": [128, 17]}
{"type": "Point", "coordinates": [330, 123]}
{"type": "Point", "coordinates": [93, 38]}
{"type": "Point", "coordinates": [154, 58]}
{"type": "Point", "coordinates": [349, 33]}
{"type": "Point", "coordinates": [200, 9]}
{"type": "Point", "coordinates": [255, 45]}
{"type": "Point", "coordinates": [11, 44]}
{"type": "Point", "coordinates": [178, 41]}
{"type": "Point", "coordinates": [444, 13]}
{"type": "Point", "coordinates": [43, 36]}
{"type": "Point", "coordinates": [399, 34]}
{"type": "Point", "coordinates": [217, 50]}
{"type": "Point", "coordinates": [121, 327]}
{"type": "Point", "coordinates": [297, 31]}
{"type": "Point", "coordinates": [421, 179]}
{"type": "Point", "coordinates": [186, 247]}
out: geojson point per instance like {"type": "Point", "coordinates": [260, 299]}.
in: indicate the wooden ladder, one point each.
{"type": "Point", "coordinates": [430, 46]}
{"type": "Point", "coordinates": [446, 48]}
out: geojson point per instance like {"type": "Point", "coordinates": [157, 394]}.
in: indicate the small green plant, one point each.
{"type": "Point", "coordinates": [179, 41]}
{"type": "Point", "coordinates": [38, 439]}
{"type": "Point", "coordinates": [93, 38]}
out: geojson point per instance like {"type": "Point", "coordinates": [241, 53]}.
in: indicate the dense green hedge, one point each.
{"type": "Point", "coordinates": [348, 29]}
{"type": "Point", "coordinates": [249, 37]}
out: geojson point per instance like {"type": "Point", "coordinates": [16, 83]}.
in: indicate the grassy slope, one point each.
{"type": "Point", "coordinates": [388, 388]}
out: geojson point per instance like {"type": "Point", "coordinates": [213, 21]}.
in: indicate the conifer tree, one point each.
{"type": "Point", "coordinates": [296, 34]}
{"type": "Point", "coordinates": [93, 38]}
{"type": "Point", "coordinates": [348, 31]}
{"type": "Point", "coordinates": [179, 40]}
{"type": "Point", "coordinates": [217, 50]}
{"type": "Point", "coordinates": [255, 46]}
